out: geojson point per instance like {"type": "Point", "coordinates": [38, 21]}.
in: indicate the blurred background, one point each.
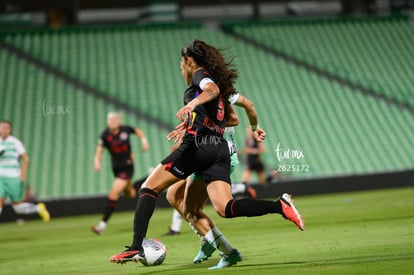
{"type": "Point", "coordinates": [332, 81]}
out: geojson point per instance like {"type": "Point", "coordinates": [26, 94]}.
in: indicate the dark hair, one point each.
{"type": "Point", "coordinates": [213, 60]}
{"type": "Point", "coordinates": [7, 122]}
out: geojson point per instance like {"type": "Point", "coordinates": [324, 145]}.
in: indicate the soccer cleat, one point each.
{"type": "Point", "coordinates": [228, 260]}
{"type": "Point", "coordinates": [205, 252]}
{"type": "Point", "coordinates": [290, 212]}
{"type": "Point", "coordinates": [128, 255]}
{"type": "Point", "coordinates": [171, 232]}
{"type": "Point", "coordinates": [42, 211]}
{"type": "Point", "coordinates": [97, 230]}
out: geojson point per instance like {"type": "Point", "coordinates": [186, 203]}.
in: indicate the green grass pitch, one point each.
{"type": "Point", "coordinates": [348, 233]}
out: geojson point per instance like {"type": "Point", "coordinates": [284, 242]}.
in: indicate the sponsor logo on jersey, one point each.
{"type": "Point", "coordinates": [123, 136]}
{"type": "Point", "coordinates": [178, 170]}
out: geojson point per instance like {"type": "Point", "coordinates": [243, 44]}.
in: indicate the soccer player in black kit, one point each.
{"type": "Point", "coordinates": [254, 163]}
{"type": "Point", "coordinates": [116, 139]}
{"type": "Point", "coordinates": [203, 149]}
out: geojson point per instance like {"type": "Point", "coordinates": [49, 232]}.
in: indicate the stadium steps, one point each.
{"type": "Point", "coordinates": [372, 52]}
{"type": "Point", "coordinates": [339, 132]}
{"type": "Point", "coordinates": [60, 126]}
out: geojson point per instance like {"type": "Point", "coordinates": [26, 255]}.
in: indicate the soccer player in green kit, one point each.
{"type": "Point", "coordinates": [12, 175]}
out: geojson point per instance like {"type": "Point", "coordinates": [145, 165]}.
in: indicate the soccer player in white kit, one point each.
{"type": "Point", "coordinates": [12, 176]}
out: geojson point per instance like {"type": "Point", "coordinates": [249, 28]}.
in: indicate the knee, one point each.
{"type": "Point", "coordinates": [132, 194]}
{"type": "Point", "coordinates": [220, 210]}
{"type": "Point", "coordinates": [171, 198]}
{"type": "Point", "coordinates": [113, 196]}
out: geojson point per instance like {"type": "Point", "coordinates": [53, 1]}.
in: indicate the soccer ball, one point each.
{"type": "Point", "coordinates": [155, 252]}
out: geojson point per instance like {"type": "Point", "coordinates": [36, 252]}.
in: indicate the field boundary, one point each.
{"type": "Point", "coordinates": [312, 186]}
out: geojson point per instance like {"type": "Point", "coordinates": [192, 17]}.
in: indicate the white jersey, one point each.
{"type": "Point", "coordinates": [231, 142]}
{"type": "Point", "coordinates": [12, 149]}
{"type": "Point", "coordinates": [229, 135]}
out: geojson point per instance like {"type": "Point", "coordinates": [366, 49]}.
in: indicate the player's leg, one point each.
{"type": "Point", "coordinates": [211, 238]}
{"type": "Point", "coordinates": [1, 204]}
{"type": "Point", "coordinates": [260, 169]}
{"type": "Point", "coordinates": [157, 181]}
{"type": "Point", "coordinates": [118, 187]}
{"type": "Point", "coordinates": [247, 173]}
{"type": "Point", "coordinates": [3, 193]}
{"type": "Point", "coordinates": [262, 177]}
{"type": "Point", "coordinates": [242, 190]}
{"type": "Point", "coordinates": [130, 192]}
{"type": "Point", "coordinates": [176, 222]}
{"type": "Point", "coordinates": [175, 196]}
{"type": "Point", "coordinates": [220, 196]}
{"type": "Point", "coordinates": [195, 197]}
{"type": "Point", "coordinates": [15, 190]}
{"type": "Point", "coordinates": [138, 183]}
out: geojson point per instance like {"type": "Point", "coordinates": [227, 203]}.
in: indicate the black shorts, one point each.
{"type": "Point", "coordinates": [254, 163]}
{"type": "Point", "coordinates": [208, 156]}
{"type": "Point", "coordinates": [123, 172]}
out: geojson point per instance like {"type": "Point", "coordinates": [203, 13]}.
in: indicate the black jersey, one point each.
{"type": "Point", "coordinates": [203, 149]}
{"type": "Point", "coordinates": [254, 161]}
{"type": "Point", "coordinates": [254, 144]}
{"type": "Point", "coordinates": [118, 145]}
{"type": "Point", "coordinates": [209, 118]}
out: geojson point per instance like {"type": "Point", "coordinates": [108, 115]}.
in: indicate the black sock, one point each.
{"type": "Point", "coordinates": [109, 209]}
{"type": "Point", "coordinates": [143, 213]}
{"type": "Point", "coordinates": [137, 184]}
{"type": "Point", "coordinates": [251, 208]}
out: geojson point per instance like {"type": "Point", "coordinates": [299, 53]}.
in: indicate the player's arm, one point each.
{"type": "Point", "coordinates": [249, 108]}
{"type": "Point", "coordinates": [143, 138]}
{"type": "Point", "coordinates": [210, 92]}
{"type": "Point", "coordinates": [251, 113]}
{"type": "Point", "coordinates": [98, 157]}
{"type": "Point", "coordinates": [25, 165]}
{"type": "Point", "coordinates": [232, 119]}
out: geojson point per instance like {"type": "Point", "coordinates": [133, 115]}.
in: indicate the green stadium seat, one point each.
{"type": "Point", "coordinates": [340, 131]}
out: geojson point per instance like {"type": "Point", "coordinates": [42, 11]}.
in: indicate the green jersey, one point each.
{"type": "Point", "coordinates": [229, 135]}
{"type": "Point", "coordinates": [11, 149]}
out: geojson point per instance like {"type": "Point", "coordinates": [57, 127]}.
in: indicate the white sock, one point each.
{"type": "Point", "coordinates": [237, 188]}
{"type": "Point", "coordinates": [210, 238]}
{"type": "Point", "coordinates": [25, 208]}
{"type": "Point", "coordinates": [222, 244]}
{"type": "Point", "coordinates": [177, 220]}
{"type": "Point", "coordinates": [217, 239]}
{"type": "Point", "coordinates": [1, 209]}
{"type": "Point", "coordinates": [101, 225]}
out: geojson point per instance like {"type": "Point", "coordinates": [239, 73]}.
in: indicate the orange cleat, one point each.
{"type": "Point", "coordinates": [290, 212]}
{"type": "Point", "coordinates": [127, 256]}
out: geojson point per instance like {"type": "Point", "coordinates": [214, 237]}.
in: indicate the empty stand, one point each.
{"type": "Point", "coordinates": [338, 131]}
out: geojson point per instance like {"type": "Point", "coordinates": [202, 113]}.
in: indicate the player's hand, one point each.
{"type": "Point", "coordinates": [184, 114]}
{"type": "Point", "coordinates": [177, 134]}
{"type": "Point", "coordinates": [259, 134]}
{"type": "Point", "coordinates": [22, 177]}
{"type": "Point", "coordinates": [145, 145]}
{"type": "Point", "coordinates": [97, 166]}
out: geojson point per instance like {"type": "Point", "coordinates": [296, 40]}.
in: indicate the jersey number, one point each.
{"type": "Point", "coordinates": [220, 110]}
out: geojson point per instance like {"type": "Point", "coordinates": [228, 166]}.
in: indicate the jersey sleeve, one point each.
{"type": "Point", "coordinates": [20, 148]}
{"type": "Point", "coordinates": [201, 78]}
{"type": "Point", "coordinates": [233, 98]}
{"type": "Point", "coordinates": [130, 130]}
{"type": "Point", "coordinates": [101, 140]}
